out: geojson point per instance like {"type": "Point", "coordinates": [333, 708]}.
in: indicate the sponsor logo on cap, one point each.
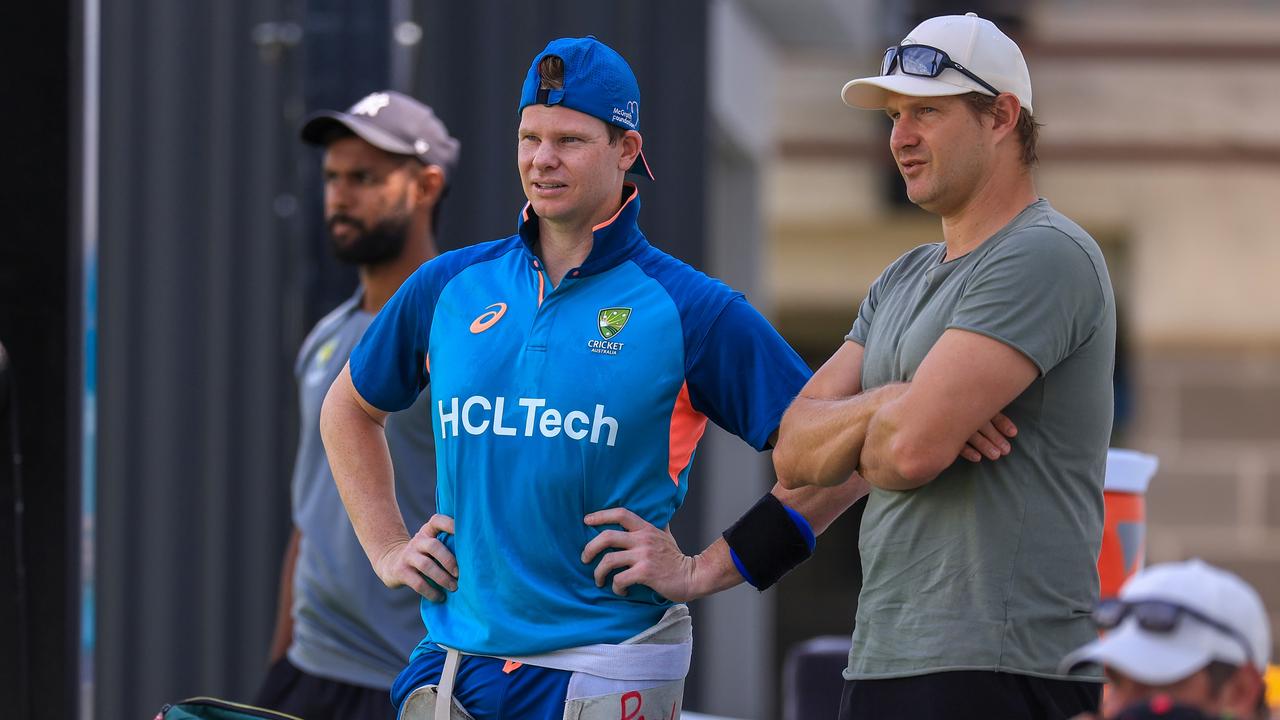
{"type": "Point", "coordinates": [421, 146]}
{"type": "Point", "coordinates": [630, 116]}
{"type": "Point", "coordinates": [371, 105]}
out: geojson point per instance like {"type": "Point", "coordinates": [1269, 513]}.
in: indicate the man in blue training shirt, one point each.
{"type": "Point", "coordinates": [573, 368]}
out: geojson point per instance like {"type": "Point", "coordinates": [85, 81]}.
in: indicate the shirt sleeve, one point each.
{"type": "Point", "coordinates": [1038, 292]}
{"type": "Point", "coordinates": [866, 311]}
{"type": "Point", "coordinates": [743, 375]}
{"type": "Point", "coordinates": [879, 287]}
{"type": "Point", "coordinates": [389, 364]}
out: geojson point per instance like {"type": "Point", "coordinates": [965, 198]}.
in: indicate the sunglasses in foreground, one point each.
{"type": "Point", "coordinates": [1161, 617]}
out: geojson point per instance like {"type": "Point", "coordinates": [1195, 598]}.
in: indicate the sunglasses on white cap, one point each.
{"type": "Point", "coordinates": [1160, 617]}
{"type": "Point", "coordinates": [925, 61]}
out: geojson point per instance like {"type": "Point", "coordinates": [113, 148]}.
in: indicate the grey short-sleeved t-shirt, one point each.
{"type": "Point", "coordinates": [347, 625]}
{"type": "Point", "coordinates": [992, 565]}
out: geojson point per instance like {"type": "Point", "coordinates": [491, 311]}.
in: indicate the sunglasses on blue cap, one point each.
{"type": "Point", "coordinates": [1160, 617]}
{"type": "Point", "coordinates": [925, 61]}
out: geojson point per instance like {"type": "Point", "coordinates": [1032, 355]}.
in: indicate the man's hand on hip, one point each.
{"type": "Point", "coordinates": [422, 562]}
{"type": "Point", "coordinates": [651, 556]}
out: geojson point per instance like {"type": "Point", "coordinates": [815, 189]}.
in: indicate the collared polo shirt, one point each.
{"type": "Point", "coordinates": [551, 403]}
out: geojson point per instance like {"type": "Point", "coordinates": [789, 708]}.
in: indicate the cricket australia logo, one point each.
{"type": "Point", "coordinates": [612, 320]}
{"type": "Point", "coordinates": [609, 322]}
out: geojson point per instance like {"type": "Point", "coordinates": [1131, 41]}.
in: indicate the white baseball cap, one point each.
{"type": "Point", "coordinates": [1163, 658]}
{"type": "Point", "coordinates": [969, 41]}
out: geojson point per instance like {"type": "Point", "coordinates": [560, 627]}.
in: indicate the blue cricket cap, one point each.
{"type": "Point", "coordinates": [597, 81]}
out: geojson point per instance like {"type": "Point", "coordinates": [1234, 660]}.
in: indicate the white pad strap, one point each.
{"type": "Point", "coordinates": [444, 691]}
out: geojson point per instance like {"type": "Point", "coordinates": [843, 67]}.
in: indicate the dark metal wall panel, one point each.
{"type": "Point", "coordinates": [39, 326]}
{"type": "Point", "coordinates": [197, 333]}
{"type": "Point", "coordinates": [15, 656]}
{"type": "Point", "coordinates": [345, 56]}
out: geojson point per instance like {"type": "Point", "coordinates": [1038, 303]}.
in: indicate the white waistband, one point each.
{"type": "Point", "coordinates": [661, 652]}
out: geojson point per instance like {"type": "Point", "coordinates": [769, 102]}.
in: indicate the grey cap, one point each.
{"type": "Point", "coordinates": [393, 122]}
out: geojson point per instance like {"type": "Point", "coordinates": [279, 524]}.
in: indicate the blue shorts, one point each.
{"type": "Point", "coordinates": [484, 690]}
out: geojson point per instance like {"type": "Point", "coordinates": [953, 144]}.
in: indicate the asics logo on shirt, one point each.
{"type": "Point", "coordinates": [477, 415]}
{"type": "Point", "coordinates": [488, 319]}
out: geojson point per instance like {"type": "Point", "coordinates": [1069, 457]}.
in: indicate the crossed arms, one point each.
{"type": "Point", "coordinates": [901, 436]}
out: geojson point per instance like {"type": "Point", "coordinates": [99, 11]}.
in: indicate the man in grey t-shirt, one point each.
{"type": "Point", "coordinates": [973, 397]}
{"type": "Point", "coordinates": [341, 635]}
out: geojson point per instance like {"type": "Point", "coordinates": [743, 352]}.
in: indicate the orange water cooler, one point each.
{"type": "Point", "coordinates": [1124, 534]}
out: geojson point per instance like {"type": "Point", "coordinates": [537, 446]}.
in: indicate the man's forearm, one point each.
{"type": "Point", "coordinates": [876, 463]}
{"type": "Point", "coordinates": [821, 441]}
{"type": "Point", "coordinates": [714, 571]}
{"type": "Point", "coordinates": [356, 445]}
{"type": "Point", "coordinates": [822, 505]}
{"type": "Point", "coordinates": [953, 409]}
{"type": "Point", "coordinates": [888, 461]}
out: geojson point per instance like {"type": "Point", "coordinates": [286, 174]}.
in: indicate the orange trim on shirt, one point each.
{"type": "Point", "coordinates": [687, 426]}
{"type": "Point", "coordinates": [426, 363]}
{"type": "Point", "coordinates": [634, 194]}
{"type": "Point", "coordinates": [541, 287]}
{"type": "Point", "coordinates": [511, 666]}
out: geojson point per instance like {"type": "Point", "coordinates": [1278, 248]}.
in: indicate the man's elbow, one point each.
{"type": "Point", "coordinates": [790, 475]}
{"type": "Point", "coordinates": [789, 479]}
{"type": "Point", "coordinates": [915, 462]}
{"type": "Point", "coordinates": [786, 458]}
{"type": "Point", "coordinates": [804, 456]}
{"type": "Point", "coordinates": [784, 463]}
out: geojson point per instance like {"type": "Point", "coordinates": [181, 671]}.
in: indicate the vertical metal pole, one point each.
{"type": "Point", "coordinates": [11, 471]}
{"type": "Point", "coordinates": [89, 116]}
{"type": "Point", "coordinates": [406, 36]}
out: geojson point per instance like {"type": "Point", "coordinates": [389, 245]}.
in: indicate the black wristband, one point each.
{"type": "Point", "coordinates": [768, 541]}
